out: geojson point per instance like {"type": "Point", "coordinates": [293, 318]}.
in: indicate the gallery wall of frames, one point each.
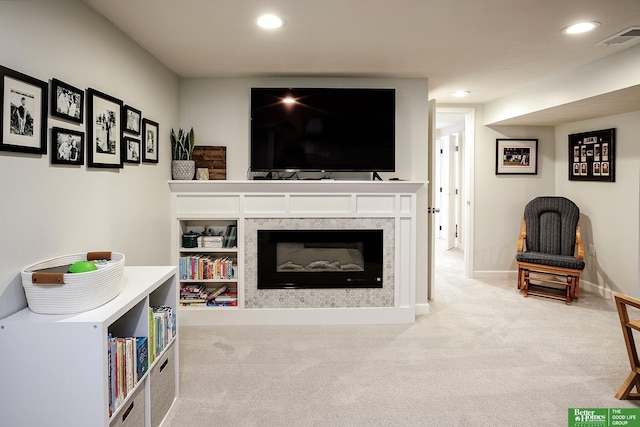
{"type": "Point", "coordinates": [116, 133]}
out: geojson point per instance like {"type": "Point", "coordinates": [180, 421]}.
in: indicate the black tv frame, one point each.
{"type": "Point", "coordinates": [358, 158]}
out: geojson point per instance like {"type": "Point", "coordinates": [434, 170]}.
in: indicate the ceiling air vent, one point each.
{"type": "Point", "coordinates": [632, 33]}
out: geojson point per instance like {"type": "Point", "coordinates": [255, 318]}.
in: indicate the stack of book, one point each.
{"type": "Point", "coordinates": [162, 329]}
{"type": "Point", "coordinates": [128, 360]}
{"type": "Point", "coordinates": [204, 267]}
{"type": "Point", "coordinates": [210, 241]}
{"type": "Point", "coordinates": [198, 295]}
{"type": "Point", "coordinates": [226, 299]}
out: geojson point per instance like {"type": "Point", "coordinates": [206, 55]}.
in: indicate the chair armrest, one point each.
{"type": "Point", "coordinates": [523, 236]}
{"type": "Point", "coordinates": [627, 300]}
{"type": "Point", "coordinates": [580, 251]}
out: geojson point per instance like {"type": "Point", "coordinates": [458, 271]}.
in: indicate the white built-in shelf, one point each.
{"type": "Point", "coordinates": [245, 203]}
{"type": "Point", "coordinates": [210, 250]}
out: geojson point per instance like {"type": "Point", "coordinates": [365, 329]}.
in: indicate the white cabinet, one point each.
{"type": "Point", "coordinates": [301, 204]}
{"type": "Point", "coordinates": [55, 368]}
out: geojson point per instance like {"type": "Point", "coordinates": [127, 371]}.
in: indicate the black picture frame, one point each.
{"type": "Point", "coordinates": [67, 102]}
{"type": "Point", "coordinates": [150, 146]}
{"type": "Point", "coordinates": [24, 132]}
{"type": "Point", "coordinates": [592, 156]}
{"type": "Point", "coordinates": [131, 150]}
{"type": "Point", "coordinates": [132, 118]}
{"type": "Point", "coordinates": [516, 156]}
{"type": "Point", "coordinates": [67, 147]}
{"type": "Point", "coordinates": [104, 130]}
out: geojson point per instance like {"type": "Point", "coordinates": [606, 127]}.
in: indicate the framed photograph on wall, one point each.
{"type": "Point", "coordinates": [67, 102]}
{"type": "Point", "coordinates": [104, 130]}
{"type": "Point", "coordinates": [516, 156]}
{"type": "Point", "coordinates": [149, 141]}
{"type": "Point", "coordinates": [131, 117]}
{"type": "Point", "coordinates": [131, 150]}
{"type": "Point", "coordinates": [591, 156]}
{"type": "Point", "coordinates": [23, 118]}
{"type": "Point", "coordinates": [67, 147]}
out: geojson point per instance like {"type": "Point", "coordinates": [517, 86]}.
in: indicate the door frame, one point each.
{"type": "Point", "coordinates": [467, 184]}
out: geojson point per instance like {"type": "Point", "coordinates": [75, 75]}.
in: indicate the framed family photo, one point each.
{"type": "Point", "coordinates": [149, 141]}
{"type": "Point", "coordinates": [67, 102]}
{"type": "Point", "coordinates": [131, 118]}
{"type": "Point", "coordinates": [67, 146]}
{"type": "Point", "coordinates": [104, 130]}
{"type": "Point", "coordinates": [23, 117]}
{"type": "Point", "coordinates": [516, 156]}
{"type": "Point", "coordinates": [131, 150]}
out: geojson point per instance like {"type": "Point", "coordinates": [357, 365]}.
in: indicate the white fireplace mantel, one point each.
{"type": "Point", "coordinates": [313, 201]}
{"type": "Point", "coordinates": [295, 186]}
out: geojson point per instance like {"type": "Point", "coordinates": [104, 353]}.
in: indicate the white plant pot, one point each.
{"type": "Point", "coordinates": [183, 169]}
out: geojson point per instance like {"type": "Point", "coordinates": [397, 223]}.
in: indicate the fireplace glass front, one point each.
{"type": "Point", "coordinates": [294, 259]}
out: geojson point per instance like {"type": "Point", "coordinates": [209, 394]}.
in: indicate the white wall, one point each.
{"type": "Point", "coordinates": [54, 210]}
{"type": "Point", "coordinates": [610, 211]}
{"type": "Point", "coordinates": [218, 109]}
{"type": "Point", "coordinates": [500, 199]}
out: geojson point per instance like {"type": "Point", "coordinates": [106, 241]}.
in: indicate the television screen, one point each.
{"type": "Point", "coordinates": [311, 129]}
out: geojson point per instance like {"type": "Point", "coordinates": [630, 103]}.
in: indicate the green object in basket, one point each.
{"type": "Point", "coordinates": [82, 267]}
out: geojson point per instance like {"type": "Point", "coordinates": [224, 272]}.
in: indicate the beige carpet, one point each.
{"type": "Point", "coordinates": [485, 356]}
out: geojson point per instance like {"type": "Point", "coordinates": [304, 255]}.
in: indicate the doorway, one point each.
{"type": "Point", "coordinates": [451, 193]}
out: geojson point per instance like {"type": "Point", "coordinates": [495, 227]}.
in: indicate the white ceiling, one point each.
{"type": "Point", "coordinates": [490, 47]}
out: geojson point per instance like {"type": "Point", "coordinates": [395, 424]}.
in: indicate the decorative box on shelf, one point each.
{"type": "Point", "coordinates": [207, 241]}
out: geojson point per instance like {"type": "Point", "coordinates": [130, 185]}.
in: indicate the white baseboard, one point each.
{"type": "Point", "coordinates": [422, 308]}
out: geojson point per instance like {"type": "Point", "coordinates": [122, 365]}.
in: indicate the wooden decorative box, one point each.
{"type": "Point", "coordinates": [212, 158]}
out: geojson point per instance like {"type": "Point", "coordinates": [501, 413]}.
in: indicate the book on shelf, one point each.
{"type": "Point", "coordinates": [142, 357]}
{"type": "Point", "coordinates": [128, 362]}
{"type": "Point", "coordinates": [163, 324]}
{"type": "Point", "coordinates": [152, 337]}
{"type": "Point", "coordinates": [120, 380]}
{"type": "Point", "coordinates": [128, 365]}
{"type": "Point", "coordinates": [229, 299]}
{"type": "Point", "coordinates": [204, 267]}
{"type": "Point", "coordinates": [111, 351]}
{"type": "Point", "coordinates": [212, 293]}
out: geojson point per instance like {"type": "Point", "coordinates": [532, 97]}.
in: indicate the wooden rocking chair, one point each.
{"type": "Point", "coordinates": [550, 253]}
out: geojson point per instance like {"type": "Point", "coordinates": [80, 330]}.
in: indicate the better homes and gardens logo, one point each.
{"type": "Point", "coordinates": [604, 417]}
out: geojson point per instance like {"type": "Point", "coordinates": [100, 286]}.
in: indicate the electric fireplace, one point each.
{"type": "Point", "coordinates": [301, 259]}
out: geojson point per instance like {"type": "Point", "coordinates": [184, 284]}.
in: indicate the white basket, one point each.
{"type": "Point", "coordinates": [79, 291]}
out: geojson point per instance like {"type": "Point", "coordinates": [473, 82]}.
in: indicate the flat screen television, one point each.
{"type": "Point", "coordinates": [323, 129]}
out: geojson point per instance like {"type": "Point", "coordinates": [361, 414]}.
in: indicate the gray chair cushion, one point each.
{"type": "Point", "coordinates": [561, 261]}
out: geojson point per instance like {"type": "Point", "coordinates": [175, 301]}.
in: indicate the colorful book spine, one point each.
{"type": "Point", "coordinates": [142, 357]}
{"type": "Point", "coordinates": [200, 267]}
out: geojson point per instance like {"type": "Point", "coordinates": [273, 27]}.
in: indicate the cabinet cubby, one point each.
{"type": "Point", "coordinates": [57, 366]}
{"type": "Point", "coordinates": [203, 270]}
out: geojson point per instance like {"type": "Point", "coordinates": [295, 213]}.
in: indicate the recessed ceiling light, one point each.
{"type": "Point", "coordinates": [581, 27]}
{"type": "Point", "coordinates": [270, 22]}
{"type": "Point", "coordinates": [460, 93]}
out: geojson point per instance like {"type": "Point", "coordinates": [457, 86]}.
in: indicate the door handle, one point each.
{"type": "Point", "coordinates": [433, 210]}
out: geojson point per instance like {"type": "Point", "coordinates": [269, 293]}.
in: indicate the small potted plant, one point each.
{"type": "Point", "coordinates": [182, 166]}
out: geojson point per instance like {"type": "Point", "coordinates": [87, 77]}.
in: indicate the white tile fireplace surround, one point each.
{"type": "Point", "coordinates": [305, 205]}
{"type": "Point", "coordinates": [318, 298]}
